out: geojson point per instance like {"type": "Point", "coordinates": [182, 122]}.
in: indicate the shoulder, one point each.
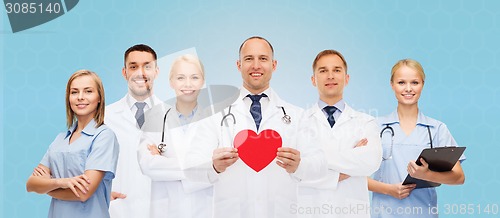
{"type": "Point", "coordinates": [434, 123]}
{"type": "Point", "coordinates": [309, 112]}
{"type": "Point", "coordinates": [293, 108]}
{"type": "Point", "coordinates": [60, 137]}
{"type": "Point", "coordinates": [358, 115]}
{"type": "Point", "coordinates": [289, 108]}
{"type": "Point", "coordinates": [383, 120]}
{"type": "Point", "coordinates": [158, 110]}
{"type": "Point", "coordinates": [104, 131]}
{"type": "Point", "coordinates": [115, 106]}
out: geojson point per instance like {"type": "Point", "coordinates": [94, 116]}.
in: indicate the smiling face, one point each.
{"type": "Point", "coordinates": [84, 97]}
{"type": "Point", "coordinates": [186, 79]}
{"type": "Point", "coordinates": [330, 78]}
{"type": "Point", "coordinates": [256, 65]}
{"type": "Point", "coordinates": [140, 71]}
{"type": "Point", "coordinates": [407, 84]}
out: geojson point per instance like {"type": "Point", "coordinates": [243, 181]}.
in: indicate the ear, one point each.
{"type": "Point", "coordinates": [347, 79]}
{"type": "Point", "coordinates": [238, 65]}
{"type": "Point", "coordinates": [313, 80]}
{"type": "Point", "coordinates": [171, 83]}
{"type": "Point", "coordinates": [124, 73]}
{"type": "Point", "coordinates": [275, 63]}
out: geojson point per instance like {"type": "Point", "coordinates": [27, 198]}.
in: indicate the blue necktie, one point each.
{"type": "Point", "coordinates": [139, 114]}
{"type": "Point", "coordinates": [255, 108]}
{"type": "Point", "coordinates": [330, 110]}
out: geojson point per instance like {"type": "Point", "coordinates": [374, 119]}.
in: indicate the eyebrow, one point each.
{"type": "Point", "coordinates": [88, 87]}
{"type": "Point", "coordinates": [144, 63]}
{"type": "Point", "coordinates": [336, 67]}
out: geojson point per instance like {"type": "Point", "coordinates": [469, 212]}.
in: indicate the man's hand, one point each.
{"type": "Point", "coordinates": [117, 195]}
{"type": "Point", "coordinates": [222, 158]}
{"type": "Point", "coordinates": [343, 177]}
{"type": "Point", "coordinates": [288, 158]}
{"type": "Point", "coordinates": [361, 143]}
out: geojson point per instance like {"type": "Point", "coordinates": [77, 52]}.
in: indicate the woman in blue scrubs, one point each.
{"type": "Point", "coordinates": [410, 132]}
{"type": "Point", "coordinates": [79, 165]}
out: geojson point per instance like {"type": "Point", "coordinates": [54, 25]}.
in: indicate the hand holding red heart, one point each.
{"type": "Point", "coordinates": [222, 158]}
{"type": "Point", "coordinates": [288, 158]}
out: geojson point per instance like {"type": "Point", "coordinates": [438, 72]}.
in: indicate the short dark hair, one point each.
{"type": "Point", "coordinates": [257, 37]}
{"type": "Point", "coordinates": [139, 47]}
{"type": "Point", "coordinates": [329, 52]}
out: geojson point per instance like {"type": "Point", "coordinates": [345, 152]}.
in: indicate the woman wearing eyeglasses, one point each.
{"type": "Point", "coordinates": [405, 133]}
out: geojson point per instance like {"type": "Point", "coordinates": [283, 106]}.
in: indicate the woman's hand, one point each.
{"type": "Point", "coordinates": [419, 172]}
{"type": "Point", "coordinates": [401, 191]}
{"type": "Point", "coordinates": [81, 183]}
{"type": "Point", "coordinates": [40, 171]}
{"type": "Point", "coordinates": [153, 149]}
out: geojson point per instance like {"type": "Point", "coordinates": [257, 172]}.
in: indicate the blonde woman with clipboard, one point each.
{"type": "Point", "coordinates": [405, 133]}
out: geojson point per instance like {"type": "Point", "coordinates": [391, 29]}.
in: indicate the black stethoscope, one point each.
{"type": "Point", "coordinates": [286, 119]}
{"type": "Point", "coordinates": [388, 127]}
{"type": "Point", "coordinates": [162, 146]}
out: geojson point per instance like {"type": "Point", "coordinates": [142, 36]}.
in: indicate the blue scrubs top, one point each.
{"type": "Point", "coordinates": [421, 202]}
{"type": "Point", "coordinates": [95, 149]}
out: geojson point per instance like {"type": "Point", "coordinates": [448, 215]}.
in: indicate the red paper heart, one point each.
{"type": "Point", "coordinates": [257, 151]}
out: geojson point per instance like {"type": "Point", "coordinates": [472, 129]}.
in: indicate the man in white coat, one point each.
{"type": "Point", "coordinates": [131, 190]}
{"type": "Point", "coordinates": [350, 140]}
{"type": "Point", "coordinates": [240, 188]}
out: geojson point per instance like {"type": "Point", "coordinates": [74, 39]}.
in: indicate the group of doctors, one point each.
{"type": "Point", "coordinates": [181, 160]}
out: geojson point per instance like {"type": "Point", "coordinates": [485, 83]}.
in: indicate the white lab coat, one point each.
{"type": "Point", "coordinates": [129, 179]}
{"type": "Point", "coordinates": [350, 197]}
{"type": "Point", "coordinates": [240, 191]}
{"type": "Point", "coordinates": [172, 195]}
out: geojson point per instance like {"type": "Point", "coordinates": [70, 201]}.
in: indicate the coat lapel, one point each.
{"type": "Point", "coordinates": [346, 115]}
{"type": "Point", "coordinates": [320, 116]}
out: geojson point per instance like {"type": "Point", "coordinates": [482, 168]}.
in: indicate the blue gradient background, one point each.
{"type": "Point", "coordinates": [456, 42]}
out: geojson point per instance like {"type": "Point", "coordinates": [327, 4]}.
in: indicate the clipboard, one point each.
{"type": "Point", "coordinates": [440, 159]}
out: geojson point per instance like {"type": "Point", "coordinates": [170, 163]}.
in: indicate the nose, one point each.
{"type": "Point", "coordinates": [80, 95]}
{"type": "Point", "coordinates": [255, 64]}
{"type": "Point", "coordinates": [142, 71]}
{"type": "Point", "coordinates": [188, 82]}
{"type": "Point", "coordinates": [408, 87]}
{"type": "Point", "coordinates": [330, 75]}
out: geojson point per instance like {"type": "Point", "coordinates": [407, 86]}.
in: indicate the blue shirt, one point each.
{"type": "Point", "coordinates": [340, 105]}
{"type": "Point", "coordinates": [95, 149]}
{"type": "Point", "coordinates": [421, 202]}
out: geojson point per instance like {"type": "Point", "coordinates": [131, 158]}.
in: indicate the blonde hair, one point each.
{"type": "Point", "coordinates": [188, 58]}
{"type": "Point", "coordinates": [413, 64]}
{"type": "Point", "coordinates": [99, 115]}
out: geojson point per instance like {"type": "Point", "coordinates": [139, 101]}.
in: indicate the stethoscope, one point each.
{"type": "Point", "coordinates": [388, 127]}
{"type": "Point", "coordinates": [286, 118]}
{"type": "Point", "coordinates": [162, 146]}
